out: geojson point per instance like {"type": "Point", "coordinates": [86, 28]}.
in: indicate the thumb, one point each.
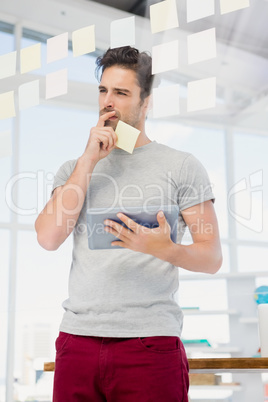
{"type": "Point", "coordinates": [163, 223]}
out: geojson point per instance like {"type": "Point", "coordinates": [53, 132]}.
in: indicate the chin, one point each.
{"type": "Point", "coordinates": [110, 123]}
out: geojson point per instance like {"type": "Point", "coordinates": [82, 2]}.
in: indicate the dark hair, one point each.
{"type": "Point", "coordinates": [130, 58]}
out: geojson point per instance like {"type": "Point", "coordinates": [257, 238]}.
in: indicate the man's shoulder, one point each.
{"type": "Point", "coordinates": [68, 166]}
{"type": "Point", "coordinates": [168, 151]}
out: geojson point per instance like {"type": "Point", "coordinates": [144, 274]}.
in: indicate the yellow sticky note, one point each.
{"type": "Point", "coordinates": [83, 41]}
{"type": "Point", "coordinates": [126, 136]}
{"type": "Point", "coordinates": [30, 58]}
{"type": "Point", "coordinates": [7, 106]}
{"type": "Point", "coordinates": [163, 16]}
{"type": "Point", "coordinates": [227, 6]}
{"type": "Point", "coordinates": [201, 46]}
{"type": "Point", "coordinates": [8, 64]}
{"type": "Point", "coordinates": [5, 144]}
{"type": "Point", "coordinates": [201, 94]}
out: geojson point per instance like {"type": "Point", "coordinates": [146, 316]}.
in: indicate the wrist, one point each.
{"type": "Point", "coordinates": [171, 253]}
{"type": "Point", "coordinates": [86, 163]}
{"type": "Point", "coordinates": [166, 252]}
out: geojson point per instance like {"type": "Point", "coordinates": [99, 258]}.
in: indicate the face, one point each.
{"type": "Point", "coordinates": [119, 91]}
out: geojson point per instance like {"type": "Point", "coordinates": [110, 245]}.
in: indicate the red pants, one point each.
{"type": "Point", "coordinates": [94, 369]}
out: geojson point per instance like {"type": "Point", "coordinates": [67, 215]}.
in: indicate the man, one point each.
{"type": "Point", "coordinates": [119, 338]}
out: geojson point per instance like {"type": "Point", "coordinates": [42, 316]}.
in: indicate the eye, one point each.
{"type": "Point", "coordinates": [102, 90]}
{"type": "Point", "coordinates": [121, 93]}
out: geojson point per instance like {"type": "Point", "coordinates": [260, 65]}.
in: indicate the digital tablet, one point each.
{"type": "Point", "coordinates": [98, 238]}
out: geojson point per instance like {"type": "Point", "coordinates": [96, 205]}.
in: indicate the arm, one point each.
{"type": "Point", "coordinates": [58, 218]}
{"type": "Point", "coordinates": [204, 255]}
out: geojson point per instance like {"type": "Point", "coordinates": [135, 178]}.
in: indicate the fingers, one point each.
{"type": "Point", "coordinates": [104, 117]}
{"type": "Point", "coordinates": [104, 135]}
{"type": "Point", "coordinates": [117, 230]}
{"type": "Point", "coordinates": [133, 226]}
{"type": "Point", "coordinates": [106, 141]}
{"type": "Point", "coordinates": [140, 238]}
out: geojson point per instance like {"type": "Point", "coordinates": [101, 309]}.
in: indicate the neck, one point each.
{"type": "Point", "coordinates": [142, 140]}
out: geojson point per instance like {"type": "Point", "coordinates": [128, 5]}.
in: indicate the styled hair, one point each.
{"type": "Point", "coordinates": [129, 58]}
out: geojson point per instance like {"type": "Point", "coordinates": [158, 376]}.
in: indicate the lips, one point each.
{"type": "Point", "coordinates": [105, 110]}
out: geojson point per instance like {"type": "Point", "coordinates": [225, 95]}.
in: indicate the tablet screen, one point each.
{"type": "Point", "coordinates": [98, 238]}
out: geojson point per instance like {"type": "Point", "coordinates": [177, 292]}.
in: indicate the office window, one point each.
{"type": "Point", "coordinates": [42, 286]}
{"type": "Point", "coordinates": [209, 317]}
{"type": "Point", "coordinates": [6, 46]}
{"type": "Point", "coordinates": [4, 276]}
{"type": "Point", "coordinates": [205, 144]}
{"type": "Point", "coordinates": [48, 137]}
{"type": "Point", "coordinates": [252, 259]}
{"type": "Point", "coordinates": [249, 201]}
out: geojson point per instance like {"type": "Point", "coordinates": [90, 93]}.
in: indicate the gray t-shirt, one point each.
{"type": "Point", "coordinates": [122, 293]}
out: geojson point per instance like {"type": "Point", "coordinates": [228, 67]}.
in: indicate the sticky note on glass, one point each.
{"type": "Point", "coordinates": [56, 83]}
{"type": "Point", "coordinates": [126, 136]}
{"type": "Point", "coordinates": [7, 105]}
{"type": "Point", "coordinates": [29, 95]}
{"type": "Point", "coordinates": [165, 57]}
{"type": "Point", "coordinates": [163, 16]}
{"type": "Point", "coordinates": [8, 65]}
{"type": "Point", "coordinates": [201, 46]}
{"type": "Point", "coordinates": [227, 6]}
{"type": "Point", "coordinates": [123, 32]}
{"type": "Point", "coordinates": [5, 144]}
{"type": "Point", "coordinates": [57, 47]}
{"type": "Point", "coordinates": [166, 101]}
{"type": "Point", "coordinates": [201, 94]}
{"type": "Point", "coordinates": [30, 58]}
{"type": "Point", "coordinates": [197, 9]}
{"type": "Point", "coordinates": [83, 40]}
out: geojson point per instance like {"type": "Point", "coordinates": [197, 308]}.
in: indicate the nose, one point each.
{"type": "Point", "coordinates": [108, 101]}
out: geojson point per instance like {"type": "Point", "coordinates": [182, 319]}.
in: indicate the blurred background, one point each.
{"type": "Point", "coordinates": [227, 132]}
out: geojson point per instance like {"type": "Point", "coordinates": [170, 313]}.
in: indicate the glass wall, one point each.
{"type": "Point", "coordinates": [46, 136]}
{"type": "Point", "coordinates": [5, 255]}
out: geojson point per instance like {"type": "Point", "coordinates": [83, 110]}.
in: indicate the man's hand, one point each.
{"type": "Point", "coordinates": [102, 139]}
{"type": "Point", "coordinates": [154, 241]}
{"type": "Point", "coordinates": [203, 255]}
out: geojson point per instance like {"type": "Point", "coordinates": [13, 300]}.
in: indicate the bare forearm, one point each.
{"type": "Point", "coordinates": [60, 215]}
{"type": "Point", "coordinates": [57, 220]}
{"type": "Point", "coordinates": [197, 257]}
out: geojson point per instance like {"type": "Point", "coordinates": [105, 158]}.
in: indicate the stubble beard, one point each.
{"type": "Point", "coordinates": [133, 119]}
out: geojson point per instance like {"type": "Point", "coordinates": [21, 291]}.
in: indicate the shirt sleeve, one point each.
{"type": "Point", "coordinates": [194, 184]}
{"type": "Point", "coordinates": [63, 174]}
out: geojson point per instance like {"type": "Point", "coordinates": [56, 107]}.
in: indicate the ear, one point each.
{"type": "Point", "coordinates": [148, 103]}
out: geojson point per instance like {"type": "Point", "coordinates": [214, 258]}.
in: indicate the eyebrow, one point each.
{"type": "Point", "coordinates": [116, 89]}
